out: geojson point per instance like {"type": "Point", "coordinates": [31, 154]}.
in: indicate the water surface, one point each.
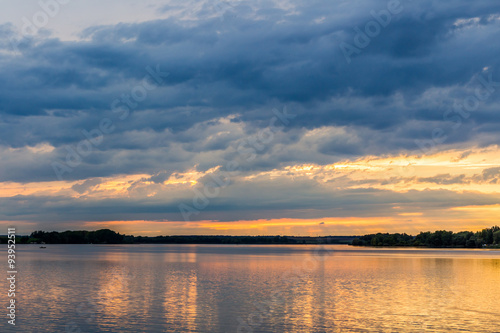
{"type": "Point", "coordinates": [218, 288]}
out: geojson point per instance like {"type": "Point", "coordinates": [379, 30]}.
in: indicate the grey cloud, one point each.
{"type": "Point", "coordinates": [445, 179]}
{"type": "Point", "coordinates": [88, 184]}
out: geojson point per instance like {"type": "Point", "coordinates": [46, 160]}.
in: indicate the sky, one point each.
{"type": "Point", "coordinates": [288, 117]}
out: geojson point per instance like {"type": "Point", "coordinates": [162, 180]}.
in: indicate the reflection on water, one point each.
{"type": "Point", "coordinates": [210, 288]}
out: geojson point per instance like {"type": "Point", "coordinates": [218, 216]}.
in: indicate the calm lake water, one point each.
{"type": "Point", "coordinates": [216, 288]}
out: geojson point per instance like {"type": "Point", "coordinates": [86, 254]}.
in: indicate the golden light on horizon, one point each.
{"type": "Point", "coordinates": [455, 171]}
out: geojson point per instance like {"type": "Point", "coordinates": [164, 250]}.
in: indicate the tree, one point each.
{"type": "Point", "coordinates": [496, 237]}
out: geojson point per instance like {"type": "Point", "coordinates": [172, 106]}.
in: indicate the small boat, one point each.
{"type": "Point", "coordinates": [43, 247]}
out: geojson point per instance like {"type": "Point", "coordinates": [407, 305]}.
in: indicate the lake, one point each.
{"type": "Point", "coordinates": [265, 288]}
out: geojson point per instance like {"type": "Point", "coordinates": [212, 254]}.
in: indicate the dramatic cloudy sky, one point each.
{"type": "Point", "coordinates": [249, 117]}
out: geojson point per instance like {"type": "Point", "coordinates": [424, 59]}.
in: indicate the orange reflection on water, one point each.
{"type": "Point", "coordinates": [202, 288]}
{"type": "Point", "coordinates": [181, 300]}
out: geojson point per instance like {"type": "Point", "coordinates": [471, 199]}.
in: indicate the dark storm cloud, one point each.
{"type": "Point", "coordinates": [395, 91]}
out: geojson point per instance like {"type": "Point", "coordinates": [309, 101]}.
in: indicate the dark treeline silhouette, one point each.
{"type": "Point", "coordinates": [440, 238]}
{"type": "Point", "coordinates": [103, 236]}
{"type": "Point", "coordinates": [106, 236]}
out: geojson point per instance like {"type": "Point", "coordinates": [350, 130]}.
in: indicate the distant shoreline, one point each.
{"type": "Point", "coordinates": [488, 238]}
{"type": "Point", "coordinates": [106, 236]}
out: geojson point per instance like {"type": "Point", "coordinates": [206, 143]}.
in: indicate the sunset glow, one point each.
{"type": "Point", "coordinates": [428, 188]}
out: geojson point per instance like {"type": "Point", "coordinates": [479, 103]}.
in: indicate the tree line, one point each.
{"type": "Point", "coordinates": [440, 238]}
{"type": "Point", "coordinates": [107, 236]}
